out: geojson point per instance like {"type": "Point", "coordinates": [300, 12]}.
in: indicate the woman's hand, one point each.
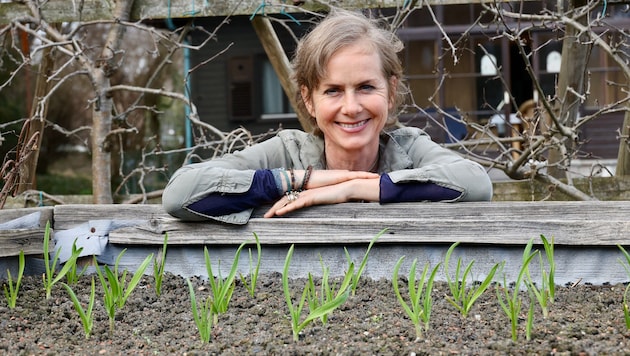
{"type": "Point", "coordinates": [330, 187]}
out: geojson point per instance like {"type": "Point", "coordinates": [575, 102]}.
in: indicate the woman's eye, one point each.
{"type": "Point", "coordinates": [332, 91]}
{"type": "Point", "coordinates": [366, 87]}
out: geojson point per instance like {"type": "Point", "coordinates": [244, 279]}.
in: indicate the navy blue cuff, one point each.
{"type": "Point", "coordinates": [391, 192]}
{"type": "Point", "coordinates": [262, 191]}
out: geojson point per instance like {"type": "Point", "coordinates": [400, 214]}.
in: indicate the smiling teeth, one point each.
{"type": "Point", "coordinates": [350, 126]}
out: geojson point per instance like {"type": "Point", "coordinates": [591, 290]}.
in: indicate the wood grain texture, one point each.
{"type": "Point", "coordinates": [602, 223]}
{"type": "Point", "coordinates": [27, 239]}
{"type": "Point", "coordinates": [569, 223]}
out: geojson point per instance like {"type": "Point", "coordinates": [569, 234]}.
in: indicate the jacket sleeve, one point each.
{"type": "Point", "coordinates": [433, 163]}
{"type": "Point", "coordinates": [230, 174]}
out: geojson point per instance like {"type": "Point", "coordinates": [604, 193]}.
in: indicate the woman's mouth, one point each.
{"type": "Point", "coordinates": [353, 125]}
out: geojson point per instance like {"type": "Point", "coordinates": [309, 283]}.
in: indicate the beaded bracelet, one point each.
{"type": "Point", "coordinates": [307, 176]}
{"type": "Point", "coordinates": [292, 179]}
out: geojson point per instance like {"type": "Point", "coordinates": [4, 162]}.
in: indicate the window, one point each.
{"type": "Point", "coordinates": [275, 104]}
{"type": "Point", "coordinates": [255, 91]}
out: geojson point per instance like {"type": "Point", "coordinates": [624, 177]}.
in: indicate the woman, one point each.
{"type": "Point", "coordinates": [349, 78]}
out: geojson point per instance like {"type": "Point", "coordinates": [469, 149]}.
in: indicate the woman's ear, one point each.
{"type": "Point", "coordinates": [306, 98]}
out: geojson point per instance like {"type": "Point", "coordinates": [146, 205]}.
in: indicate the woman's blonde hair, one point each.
{"type": "Point", "coordinates": [339, 29]}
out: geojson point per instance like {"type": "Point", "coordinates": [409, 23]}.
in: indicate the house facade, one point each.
{"type": "Point", "coordinates": [240, 88]}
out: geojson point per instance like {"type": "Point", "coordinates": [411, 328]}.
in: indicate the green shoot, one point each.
{"type": "Point", "coordinates": [159, 263]}
{"type": "Point", "coordinates": [11, 293]}
{"type": "Point", "coordinates": [87, 318]}
{"type": "Point", "coordinates": [461, 297]}
{"type": "Point", "coordinates": [222, 289]}
{"type": "Point", "coordinates": [253, 272]}
{"type": "Point", "coordinates": [626, 266]}
{"type": "Point", "coordinates": [545, 294]}
{"type": "Point", "coordinates": [49, 277]}
{"type": "Point", "coordinates": [73, 274]}
{"type": "Point", "coordinates": [116, 289]}
{"type": "Point", "coordinates": [326, 308]}
{"type": "Point", "coordinates": [359, 271]}
{"type": "Point", "coordinates": [202, 314]}
{"type": "Point", "coordinates": [420, 303]}
{"type": "Point", "coordinates": [513, 300]}
{"type": "Point", "coordinates": [326, 292]}
{"type": "Point", "coordinates": [626, 308]}
{"type": "Point", "coordinates": [550, 276]}
{"type": "Point", "coordinates": [530, 317]}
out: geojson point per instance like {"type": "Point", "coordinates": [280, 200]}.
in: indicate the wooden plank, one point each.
{"type": "Point", "coordinates": [23, 238]}
{"type": "Point", "coordinates": [331, 231]}
{"type": "Point", "coordinates": [67, 216]}
{"type": "Point", "coordinates": [57, 11]}
{"type": "Point", "coordinates": [603, 223]}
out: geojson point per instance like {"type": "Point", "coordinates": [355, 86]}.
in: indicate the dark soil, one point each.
{"type": "Point", "coordinates": [584, 320]}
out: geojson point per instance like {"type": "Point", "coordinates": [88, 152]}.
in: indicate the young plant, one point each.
{"type": "Point", "coordinates": [511, 301]}
{"type": "Point", "coordinates": [116, 289]}
{"type": "Point", "coordinates": [49, 277]}
{"type": "Point", "coordinates": [626, 266]}
{"type": "Point", "coordinates": [222, 289]}
{"type": "Point", "coordinates": [626, 308]}
{"type": "Point", "coordinates": [359, 271]}
{"type": "Point", "coordinates": [159, 263]}
{"type": "Point", "coordinates": [461, 297]}
{"type": "Point", "coordinates": [11, 292]}
{"type": "Point", "coordinates": [74, 274]}
{"type": "Point", "coordinates": [202, 314]}
{"type": "Point", "coordinates": [545, 294]}
{"type": "Point", "coordinates": [253, 271]}
{"type": "Point", "coordinates": [420, 302]}
{"type": "Point", "coordinates": [326, 292]}
{"type": "Point", "coordinates": [86, 315]}
{"type": "Point", "coordinates": [295, 311]}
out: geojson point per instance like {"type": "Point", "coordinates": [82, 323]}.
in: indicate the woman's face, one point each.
{"type": "Point", "coordinates": [352, 101]}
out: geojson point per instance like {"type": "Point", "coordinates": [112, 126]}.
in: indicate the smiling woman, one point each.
{"type": "Point", "coordinates": [350, 80]}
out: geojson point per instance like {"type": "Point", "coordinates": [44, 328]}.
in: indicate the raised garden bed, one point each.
{"type": "Point", "coordinates": [586, 317]}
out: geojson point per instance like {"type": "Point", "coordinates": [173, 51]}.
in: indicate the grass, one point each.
{"type": "Point", "coordinates": [250, 284]}
{"type": "Point", "coordinates": [357, 275]}
{"type": "Point", "coordinates": [295, 310]}
{"type": "Point", "coordinates": [222, 289]}
{"type": "Point", "coordinates": [326, 292]}
{"type": "Point", "coordinates": [202, 314]}
{"type": "Point", "coordinates": [73, 275]}
{"type": "Point", "coordinates": [626, 266]}
{"type": "Point", "coordinates": [86, 315]}
{"type": "Point", "coordinates": [462, 296]}
{"type": "Point", "coordinates": [511, 300]}
{"type": "Point", "coordinates": [159, 263]}
{"type": "Point", "coordinates": [546, 293]}
{"type": "Point", "coordinates": [116, 289]}
{"type": "Point", "coordinates": [11, 288]}
{"type": "Point", "coordinates": [420, 300]}
{"type": "Point", "coordinates": [49, 277]}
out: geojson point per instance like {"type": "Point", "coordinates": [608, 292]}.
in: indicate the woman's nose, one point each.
{"type": "Point", "coordinates": [351, 104]}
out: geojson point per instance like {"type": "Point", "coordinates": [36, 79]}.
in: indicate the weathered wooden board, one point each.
{"type": "Point", "coordinates": [21, 233]}
{"type": "Point", "coordinates": [585, 234]}
{"type": "Point", "coordinates": [503, 223]}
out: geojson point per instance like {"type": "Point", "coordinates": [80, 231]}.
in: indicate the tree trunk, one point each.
{"type": "Point", "coordinates": [103, 106]}
{"type": "Point", "coordinates": [575, 52]}
{"type": "Point", "coordinates": [35, 124]}
{"type": "Point", "coordinates": [623, 159]}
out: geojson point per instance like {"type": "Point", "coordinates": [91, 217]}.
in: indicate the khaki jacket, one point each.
{"type": "Point", "coordinates": [406, 154]}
